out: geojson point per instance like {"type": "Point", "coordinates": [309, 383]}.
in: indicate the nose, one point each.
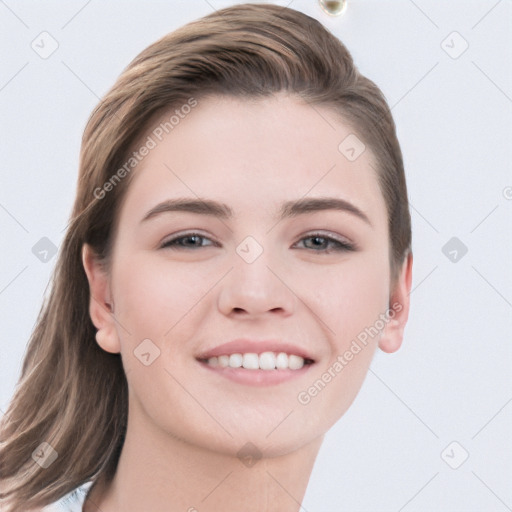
{"type": "Point", "coordinates": [254, 289]}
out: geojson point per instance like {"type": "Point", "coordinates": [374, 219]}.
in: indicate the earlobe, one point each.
{"type": "Point", "coordinates": [398, 312]}
{"type": "Point", "coordinates": [100, 301]}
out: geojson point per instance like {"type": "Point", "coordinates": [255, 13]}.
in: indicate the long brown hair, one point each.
{"type": "Point", "coordinates": [73, 395]}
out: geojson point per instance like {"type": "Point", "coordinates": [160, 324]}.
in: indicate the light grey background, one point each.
{"type": "Point", "coordinates": [451, 380]}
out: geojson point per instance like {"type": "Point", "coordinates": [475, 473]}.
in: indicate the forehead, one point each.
{"type": "Point", "coordinates": [253, 154]}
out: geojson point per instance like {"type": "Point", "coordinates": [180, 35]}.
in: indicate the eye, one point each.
{"type": "Point", "coordinates": [186, 241]}
{"type": "Point", "coordinates": [322, 243]}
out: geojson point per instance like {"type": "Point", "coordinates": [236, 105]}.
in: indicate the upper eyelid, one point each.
{"type": "Point", "coordinates": [322, 233]}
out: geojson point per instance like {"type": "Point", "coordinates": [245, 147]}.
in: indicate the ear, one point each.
{"type": "Point", "coordinates": [100, 303]}
{"type": "Point", "coordinates": [398, 312]}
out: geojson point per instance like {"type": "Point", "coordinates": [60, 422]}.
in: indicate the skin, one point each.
{"type": "Point", "coordinates": [186, 424]}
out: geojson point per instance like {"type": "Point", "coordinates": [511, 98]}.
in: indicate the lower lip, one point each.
{"type": "Point", "coordinates": [257, 377]}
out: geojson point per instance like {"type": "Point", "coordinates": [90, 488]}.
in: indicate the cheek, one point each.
{"type": "Point", "coordinates": [349, 302]}
{"type": "Point", "coordinates": [350, 298]}
{"type": "Point", "coordinates": [152, 296]}
{"type": "Point", "coordinates": [155, 300]}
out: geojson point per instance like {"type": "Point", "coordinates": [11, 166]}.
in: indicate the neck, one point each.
{"type": "Point", "coordinates": [162, 473]}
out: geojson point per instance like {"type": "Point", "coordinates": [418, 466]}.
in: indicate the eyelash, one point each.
{"type": "Point", "coordinates": [341, 246]}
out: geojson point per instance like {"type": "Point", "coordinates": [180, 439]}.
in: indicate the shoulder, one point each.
{"type": "Point", "coordinates": [71, 502]}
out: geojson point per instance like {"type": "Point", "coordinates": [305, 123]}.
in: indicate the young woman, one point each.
{"type": "Point", "coordinates": [239, 247]}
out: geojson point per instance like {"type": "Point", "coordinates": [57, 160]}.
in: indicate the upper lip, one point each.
{"type": "Point", "coordinates": [245, 346]}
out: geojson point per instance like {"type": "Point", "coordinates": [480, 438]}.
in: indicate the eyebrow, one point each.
{"type": "Point", "coordinates": [289, 209]}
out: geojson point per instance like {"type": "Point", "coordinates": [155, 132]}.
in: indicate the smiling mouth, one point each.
{"type": "Point", "coordinates": [269, 361]}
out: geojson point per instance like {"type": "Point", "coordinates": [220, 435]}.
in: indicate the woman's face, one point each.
{"type": "Point", "coordinates": [252, 262]}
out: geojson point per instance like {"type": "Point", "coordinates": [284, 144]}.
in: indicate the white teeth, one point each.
{"type": "Point", "coordinates": [251, 361]}
{"type": "Point", "coordinates": [281, 361]}
{"type": "Point", "coordinates": [263, 361]}
{"type": "Point", "coordinates": [267, 361]}
{"type": "Point", "coordinates": [223, 361]}
{"type": "Point", "coordinates": [235, 360]}
{"type": "Point", "coordinates": [295, 362]}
